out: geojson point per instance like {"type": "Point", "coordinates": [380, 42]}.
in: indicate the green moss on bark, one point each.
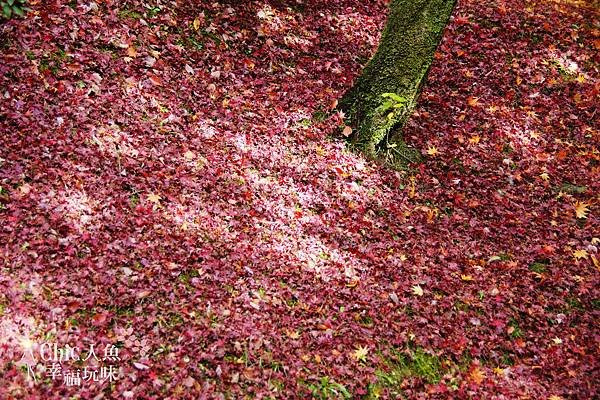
{"type": "Point", "coordinates": [399, 66]}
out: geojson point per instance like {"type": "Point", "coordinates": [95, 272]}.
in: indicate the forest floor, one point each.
{"type": "Point", "coordinates": [174, 183]}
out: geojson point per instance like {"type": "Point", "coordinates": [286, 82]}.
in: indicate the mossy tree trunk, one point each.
{"type": "Point", "coordinates": [382, 99]}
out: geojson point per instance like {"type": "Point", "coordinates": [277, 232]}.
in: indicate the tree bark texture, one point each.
{"type": "Point", "coordinates": [408, 43]}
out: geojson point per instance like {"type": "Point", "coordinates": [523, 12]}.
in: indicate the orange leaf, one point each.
{"type": "Point", "coordinates": [155, 80]}
{"type": "Point", "coordinates": [472, 101]}
{"type": "Point", "coordinates": [477, 375]}
{"type": "Point", "coordinates": [353, 283]}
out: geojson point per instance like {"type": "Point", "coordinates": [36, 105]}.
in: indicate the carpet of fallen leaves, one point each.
{"type": "Point", "coordinates": [173, 181]}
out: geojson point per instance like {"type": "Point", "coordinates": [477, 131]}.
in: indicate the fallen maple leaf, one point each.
{"type": "Point", "coordinates": [347, 131]}
{"type": "Point", "coordinates": [579, 254]}
{"type": "Point", "coordinates": [293, 334]}
{"type": "Point", "coordinates": [474, 139]}
{"type": "Point", "coordinates": [432, 151]}
{"type": "Point", "coordinates": [417, 290]}
{"type": "Point", "coordinates": [581, 209]}
{"type": "Point", "coordinates": [189, 155]}
{"type": "Point", "coordinates": [472, 101]}
{"type": "Point", "coordinates": [353, 283]}
{"type": "Point", "coordinates": [555, 397]}
{"type": "Point", "coordinates": [466, 278]}
{"type": "Point", "coordinates": [131, 52]}
{"type": "Point", "coordinates": [557, 340]}
{"type": "Point", "coordinates": [155, 80]}
{"type": "Point", "coordinates": [25, 189]}
{"type": "Point", "coordinates": [153, 198]}
{"type": "Point", "coordinates": [196, 23]}
{"type": "Point", "coordinates": [360, 354]}
{"type": "Point", "coordinates": [477, 375]}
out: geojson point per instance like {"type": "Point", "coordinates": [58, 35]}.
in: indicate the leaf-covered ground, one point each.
{"type": "Point", "coordinates": [173, 181]}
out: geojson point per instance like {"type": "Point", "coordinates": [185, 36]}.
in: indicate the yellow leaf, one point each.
{"type": "Point", "coordinates": [360, 354]}
{"type": "Point", "coordinates": [466, 278]}
{"type": "Point", "coordinates": [581, 209]}
{"type": "Point", "coordinates": [555, 397]}
{"type": "Point", "coordinates": [578, 254]}
{"type": "Point", "coordinates": [403, 257]}
{"type": "Point", "coordinates": [519, 80]}
{"type": "Point", "coordinates": [545, 176]}
{"type": "Point", "coordinates": [154, 198]}
{"type": "Point", "coordinates": [320, 151]}
{"type": "Point", "coordinates": [293, 335]}
{"type": "Point", "coordinates": [189, 155]}
{"type": "Point", "coordinates": [196, 23]}
{"type": "Point", "coordinates": [417, 290]}
{"type": "Point", "coordinates": [432, 151]}
{"type": "Point", "coordinates": [474, 139]}
{"type": "Point", "coordinates": [412, 191]}
{"type": "Point", "coordinates": [581, 78]}
{"type": "Point", "coordinates": [557, 340]}
{"type": "Point", "coordinates": [499, 371]}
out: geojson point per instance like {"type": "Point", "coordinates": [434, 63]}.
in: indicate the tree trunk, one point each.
{"type": "Point", "coordinates": [382, 99]}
